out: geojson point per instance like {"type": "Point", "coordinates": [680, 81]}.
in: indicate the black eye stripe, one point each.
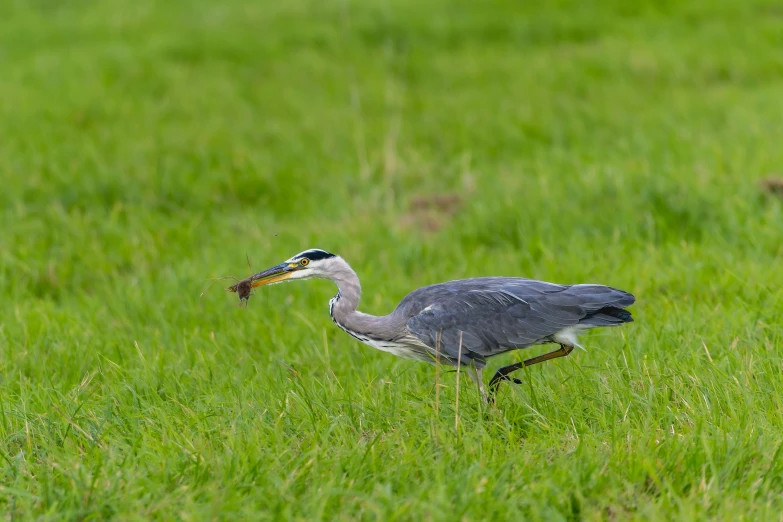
{"type": "Point", "coordinates": [314, 255]}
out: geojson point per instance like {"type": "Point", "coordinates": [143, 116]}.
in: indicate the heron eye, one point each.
{"type": "Point", "coordinates": [304, 261]}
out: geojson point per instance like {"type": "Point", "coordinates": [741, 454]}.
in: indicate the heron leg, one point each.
{"type": "Point", "coordinates": [475, 374]}
{"type": "Point", "coordinates": [560, 352]}
{"type": "Point", "coordinates": [502, 373]}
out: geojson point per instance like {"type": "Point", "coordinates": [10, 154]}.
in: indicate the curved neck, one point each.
{"type": "Point", "coordinates": [349, 291]}
{"type": "Point", "coordinates": [343, 307]}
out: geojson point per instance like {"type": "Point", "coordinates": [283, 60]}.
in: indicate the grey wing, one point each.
{"type": "Point", "coordinates": [497, 320]}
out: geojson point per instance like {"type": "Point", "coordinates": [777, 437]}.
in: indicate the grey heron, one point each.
{"type": "Point", "coordinates": [463, 322]}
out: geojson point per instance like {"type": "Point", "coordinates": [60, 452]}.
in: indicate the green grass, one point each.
{"type": "Point", "coordinates": [148, 146]}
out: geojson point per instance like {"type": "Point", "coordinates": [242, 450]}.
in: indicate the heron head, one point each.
{"type": "Point", "coordinates": [307, 264]}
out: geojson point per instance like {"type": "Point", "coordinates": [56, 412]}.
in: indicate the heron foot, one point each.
{"type": "Point", "coordinates": [500, 376]}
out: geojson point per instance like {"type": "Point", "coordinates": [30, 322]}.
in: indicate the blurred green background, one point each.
{"type": "Point", "coordinates": [146, 147]}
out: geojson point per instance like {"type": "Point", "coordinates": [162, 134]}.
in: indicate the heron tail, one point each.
{"type": "Point", "coordinates": [608, 316]}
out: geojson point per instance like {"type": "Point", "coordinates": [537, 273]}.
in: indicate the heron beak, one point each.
{"type": "Point", "coordinates": [275, 274]}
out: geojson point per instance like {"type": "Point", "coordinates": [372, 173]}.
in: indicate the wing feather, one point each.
{"type": "Point", "coordinates": [496, 315]}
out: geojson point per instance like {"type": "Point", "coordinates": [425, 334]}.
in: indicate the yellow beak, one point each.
{"type": "Point", "coordinates": [275, 274]}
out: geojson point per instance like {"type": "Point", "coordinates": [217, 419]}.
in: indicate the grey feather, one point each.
{"type": "Point", "coordinates": [495, 315]}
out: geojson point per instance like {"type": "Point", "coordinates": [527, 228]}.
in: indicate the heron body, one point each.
{"type": "Point", "coordinates": [463, 322]}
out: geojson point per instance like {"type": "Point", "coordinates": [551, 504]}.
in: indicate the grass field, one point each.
{"type": "Point", "coordinates": [146, 147]}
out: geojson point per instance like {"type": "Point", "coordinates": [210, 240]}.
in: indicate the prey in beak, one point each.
{"type": "Point", "coordinates": [276, 274]}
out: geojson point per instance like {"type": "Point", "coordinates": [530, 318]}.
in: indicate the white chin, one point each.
{"type": "Point", "coordinates": [299, 274]}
